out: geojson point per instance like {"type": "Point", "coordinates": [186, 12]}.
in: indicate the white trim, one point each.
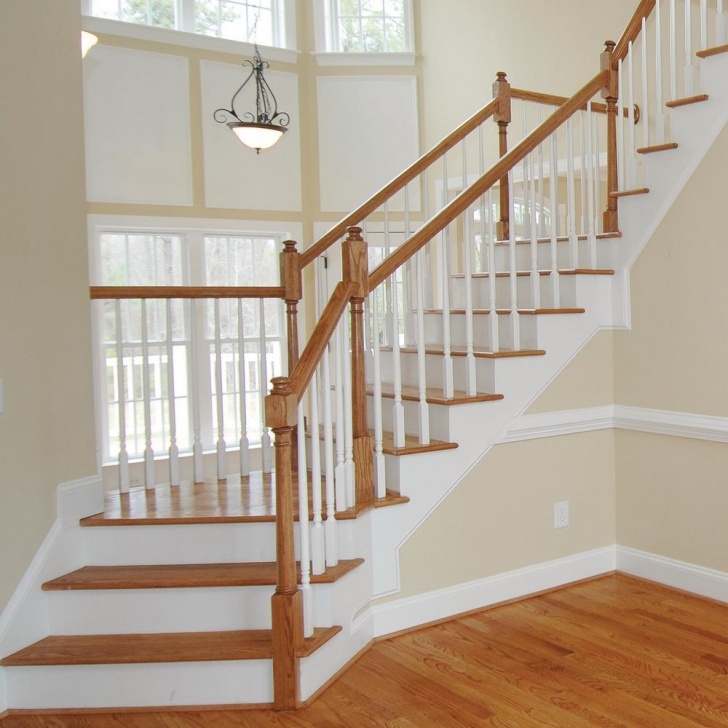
{"type": "Point", "coordinates": [364, 59]}
{"type": "Point", "coordinates": [695, 579]}
{"type": "Point", "coordinates": [637, 419]}
{"type": "Point", "coordinates": [184, 39]}
{"type": "Point", "coordinates": [440, 604]}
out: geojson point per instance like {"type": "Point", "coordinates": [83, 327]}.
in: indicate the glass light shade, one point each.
{"type": "Point", "coordinates": [257, 136]}
{"type": "Point", "coordinates": [88, 40]}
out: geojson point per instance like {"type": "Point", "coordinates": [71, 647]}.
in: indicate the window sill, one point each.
{"type": "Point", "coordinates": [184, 39]}
{"type": "Point", "coordinates": [365, 59]}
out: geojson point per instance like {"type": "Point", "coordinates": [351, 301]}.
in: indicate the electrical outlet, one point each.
{"type": "Point", "coordinates": [561, 514]}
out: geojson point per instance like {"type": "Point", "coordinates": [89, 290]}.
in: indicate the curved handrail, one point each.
{"type": "Point", "coordinates": [123, 292]}
{"type": "Point", "coordinates": [631, 31]}
{"type": "Point", "coordinates": [322, 333]}
{"type": "Point", "coordinates": [398, 183]}
{"type": "Point", "coordinates": [466, 198]}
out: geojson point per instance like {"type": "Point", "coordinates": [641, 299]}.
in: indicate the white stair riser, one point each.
{"type": "Point", "coordinates": [481, 331]}
{"type": "Point", "coordinates": [485, 370]}
{"type": "Point", "coordinates": [563, 255]}
{"type": "Point", "coordinates": [191, 544]}
{"type": "Point", "coordinates": [138, 685]}
{"type": "Point", "coordinates": [524, 292]}
{"type": "Point", "coordinates": [439, 417]}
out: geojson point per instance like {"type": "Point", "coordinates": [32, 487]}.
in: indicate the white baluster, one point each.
{"type": "Point", "coordinates": [645, 111]}
{"type": "Point", "coordinates": [582, 180]}
{"type": "Point", "coordinates": [318, 553]}
{"type": "Point", "coordinates": [330, 532]}
{"type": "Point", "coordinates": [424, 411]}
{"type": "Point", "coordinates": [632, 147]}
{"type": "Point", "coordinates": [304, 527]}
{"type": "Point", "coordinates": [149, 476]}
{"type": "Point", "coordinates": [513, 270]}
{"type": "Point", "coordinates": [688, 70]}
{"type": "Point", "coordinates": [244, 443]}
{"type": "Point", "coordinates": [720, 24]}
{"type": "Point", "coordinates": [703, 24]}
{"type": "Point", "coordinates": [197, 451]}
{"type": "Point", "coordinates": [470, 381]}
{"type": "Point", "coordinates": [379, 476]}
{"type": "Point", "coordinates": [265, 441]}
{"type": "Point", "coordinates": [673, 51]}
{"type": "Point", "coordinates": [659, 105]}
{"type": "Point", "coordinates": [527, 201]}
{"type": "Point", "coordinates": [571, 197]}
{"type": "Point", "coordinates": [534, 275]}
{"type": "Point", "coordinates": [123, 454]}
{"type": "Point", "coordinates": [596, 225]}
{"type": "Point", "coordinates": [554, 191]}
{"type": "Point", "coordinates": [541, 179]}
{"type": "Point", "coordinates": [591, 172]}
{"type": "Point", "coordinates": [448, 385]}
{"type": "Point", "coordinates": [621, 151]}
{"type": "Point", "coordinates": [219, 399]}
{"type": "Point", "coordinates": [492, 300]}
{"type": "Point", "coordinates": [340, 469]}
{"type": "Point", "coordinates": [350, 479]}
{"type": "Point", "coordinates": [174, 476]}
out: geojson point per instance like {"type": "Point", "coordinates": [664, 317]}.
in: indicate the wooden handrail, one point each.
{"type": "Point", "coordinates": [320, 337]}
{"type": "Point", "coordinates": [123, 292]}
{"type": "Point", "coordinates": [553, 100]}
{"type": "Point", "coordinates": [398, 183]}
{"type": "Point", "coordinates": [466, 198]}
{"type": "Point", "coordinates": [631, 31]}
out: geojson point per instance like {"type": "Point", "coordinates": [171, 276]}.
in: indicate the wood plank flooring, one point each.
{"type": "Point", "coordinates": [616, 651]}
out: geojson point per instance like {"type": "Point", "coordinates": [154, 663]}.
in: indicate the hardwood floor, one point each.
{"type": "Point", "coordinates": [615, 651]}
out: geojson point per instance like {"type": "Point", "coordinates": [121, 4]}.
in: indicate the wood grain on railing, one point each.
{"type": "Point", "coordinates": [398, 183]}
{"type": "Point", "coordinates": [125, 292]}
{"type": "Point", "coordinates": [320, 337]}
{"type": "Point", "coordinates": [466, 198]}
{"type": "Point", "coordinates": [631, 31]}
{"type": "Point", "coordinates": [553, 100]}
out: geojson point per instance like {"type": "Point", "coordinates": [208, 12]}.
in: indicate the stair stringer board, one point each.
{"type": "Point", "coordinates": [477, 427]}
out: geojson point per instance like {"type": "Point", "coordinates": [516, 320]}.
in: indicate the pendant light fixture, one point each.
{"type": "Point", "coordinates": [262, 128]}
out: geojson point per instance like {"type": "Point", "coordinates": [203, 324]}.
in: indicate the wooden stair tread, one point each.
{"type": "Point", "coordinates": [657, 148]}
{"type": "Point", "coordinates": [712, 51]}
{"type": "Point", "coordinates": [560, 271]}
{"type": "Point", "coordinates": [560, 239]}
{"type": "Point", "coordinates": [412, 445]}
{"type": "Point", "coordinates": [478, 353]}
{"type": "Point", "coordinates": [629, 193]}
{"type": "Point", "coordinates": [174, 576]}
{"type": "Point", "coordinates": [435, 396]}
{"type": "Point", "coordinates": [698, 98]}
{"type": "Point", "coordinates": [124, 649]}
{"type": "Point", "coordinates": [248, 500]}
{"type": "Point", "coordinates": [507, 312]}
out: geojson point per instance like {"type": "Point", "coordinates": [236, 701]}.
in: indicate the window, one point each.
{"type": "Point", "coordinates": [368, 26]}
{"type": "Point", "coordinates": [173, 370]}
{"type": "Point", "coordinates": [249, 21]}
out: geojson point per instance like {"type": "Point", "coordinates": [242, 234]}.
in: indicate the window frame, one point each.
{"type": "Point", "coordinates": [192, 234]}
{"type": "Point", "coordinates": [329, 53]}
{"type": "Point", "coordinates": [285, 50]}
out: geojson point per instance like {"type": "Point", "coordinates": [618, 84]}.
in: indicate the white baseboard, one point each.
{"type": "Point", "coordinates": [671, 572]}
{"type": "Point", "coordinates": [440, 604]}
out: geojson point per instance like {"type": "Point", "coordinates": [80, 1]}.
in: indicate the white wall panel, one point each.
{"type": "Point", "coordinates": [235, 176]}
{"type": "Point", "coordinates": [137, 116]}
{"type": "Point", "coordinates": [367, 135]}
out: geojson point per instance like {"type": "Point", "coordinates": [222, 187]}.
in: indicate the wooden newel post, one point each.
{"type": "Point", "coordinates": [286, 604]}
{"type": "Point", "coordinates": [502, 117]}
{"type": "Point", "coordinates": [355, 268]}
{"type": "Point", "coordinates": [290, 266]}
{"type": "Point", "coordinates": [610, 93]}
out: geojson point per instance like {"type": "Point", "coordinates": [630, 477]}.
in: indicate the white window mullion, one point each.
{"type": "Point", "coordinates": [185, 15]}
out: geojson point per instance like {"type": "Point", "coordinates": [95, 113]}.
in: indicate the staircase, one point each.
{"type": "Point", "coordinates": [163, 599]}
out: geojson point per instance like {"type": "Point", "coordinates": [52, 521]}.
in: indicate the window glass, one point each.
{"type": "Point", "coordinates": [370, 26]}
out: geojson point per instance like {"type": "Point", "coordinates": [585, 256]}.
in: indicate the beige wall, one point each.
{"type": "Point", "coordinates": [46, 432]}
{"type": "Point", "coordinates": [500, 517]}
{"type": "Point", "coordinates": [671, 492]}
{"type": "Point", "coordinates": [550, 46]}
